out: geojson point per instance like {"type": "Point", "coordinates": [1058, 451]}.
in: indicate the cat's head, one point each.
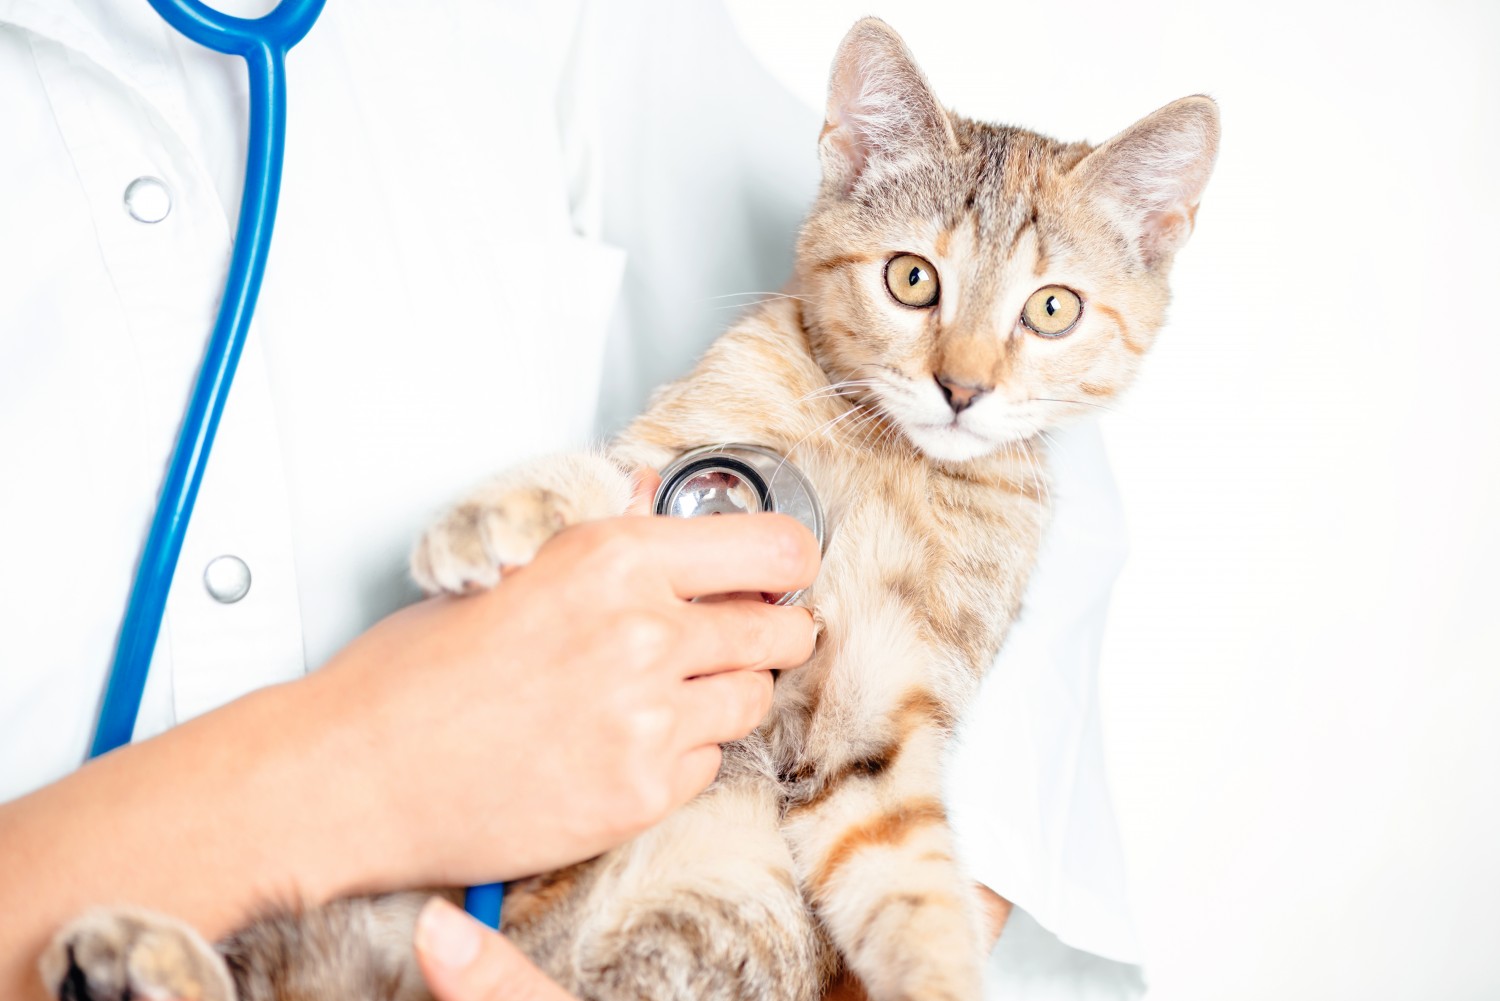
{"type": "Point", "coordinates": [980, 283]}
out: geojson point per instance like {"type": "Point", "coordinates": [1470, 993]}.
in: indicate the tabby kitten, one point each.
{"type": "Point", "coordinates": [959, 289]}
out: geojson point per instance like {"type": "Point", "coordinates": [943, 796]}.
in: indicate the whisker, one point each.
{"type": "Point", "coordinates": [1081, 403]}
{"type": "Point", "coordinates": [1044, 487]}
{"type": "Point", "coordinates": [1031, 464]}
{"type": "Point", "coordinates": [765, 297]}
{"type": "Point", "coordinates": [778, 295]}
{"type": "Point", "coordinates": [864, 427]}
{"type": "Point", "coordinates": [835, 389]}
{"type": "Point", "coordinates": [852, 428]}
{"type": "Point", "coordinates": [824, 427]}
{"type": "Point", "coordinates": [878, 429]}
{"type": "Point", "coordinates": [894, 435]}
{"type": "Point", "coordinates": [1037, 475]}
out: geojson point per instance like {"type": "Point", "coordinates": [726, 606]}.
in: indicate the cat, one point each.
{"type": "Point", "coordinates": [960, 288]}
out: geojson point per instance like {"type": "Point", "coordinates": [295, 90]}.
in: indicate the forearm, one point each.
{"type": "Point", "coordinates": [207, 822]}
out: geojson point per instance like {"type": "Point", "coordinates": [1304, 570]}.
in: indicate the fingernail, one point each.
{"type": "Point", "coordinates": [447, 935]}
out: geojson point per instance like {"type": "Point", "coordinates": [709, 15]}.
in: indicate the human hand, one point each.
{"type": "Point", "coordinates": [465, 961]}
{"type": "Point", "coordinates": [526, 727]}
{"type": "Point", "coordinates": [459, 741]}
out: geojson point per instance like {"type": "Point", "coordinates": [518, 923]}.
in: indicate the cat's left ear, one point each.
{"type": "Point", "coordinates": [1150, 177]}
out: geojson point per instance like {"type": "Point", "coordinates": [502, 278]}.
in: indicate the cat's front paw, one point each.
{"type": "Point", "coordinates": [120, 955]}
{"type": "Point", "coordinates": [469, 545]}
{"type": "Point", "coordinates": [505, 523]}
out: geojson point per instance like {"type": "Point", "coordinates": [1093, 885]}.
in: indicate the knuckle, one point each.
{"type": "Point", "coordinates": [644, 637]}
{"type": "Point", "coordinates": [647, 730]}
{"type": "Point", "coordinates": [614, 550]}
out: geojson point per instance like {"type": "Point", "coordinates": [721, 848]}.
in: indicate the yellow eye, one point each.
{"type": "Point", "coordinates": [1052, 311]}
{"type": "Point", "coordinates": [912, 280]}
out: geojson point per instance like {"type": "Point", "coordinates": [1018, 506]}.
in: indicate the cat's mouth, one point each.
{"type": "Point", "coordinates": [949, 441]}
{"type": "Point", "coordinates": [950, 438]}
{"type": "Point", "coordinates": [952, 426]}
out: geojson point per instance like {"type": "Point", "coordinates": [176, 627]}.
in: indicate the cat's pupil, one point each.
{"type": "Point", "coordinates": [1052, 306]}
{"type": "Point", "coordinates": [915, 277]}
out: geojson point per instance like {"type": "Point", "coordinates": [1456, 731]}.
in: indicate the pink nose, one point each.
{"type": "Point", "coordinates": [960, 395]}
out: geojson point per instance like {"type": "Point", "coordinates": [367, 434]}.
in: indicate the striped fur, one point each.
{"type": "Point", "coordinates": [824, 842]}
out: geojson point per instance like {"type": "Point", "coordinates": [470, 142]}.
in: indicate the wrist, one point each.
{"type": "Point", "coordinates": [341, 817]}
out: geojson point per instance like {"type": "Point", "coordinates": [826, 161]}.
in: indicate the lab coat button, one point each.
{"type": "Point", "coordinates": [227, 579]}
{"type": "Point", "coordinates": [148, 199]}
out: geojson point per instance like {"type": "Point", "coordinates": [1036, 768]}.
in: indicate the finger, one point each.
{"type": "Point", "coordinates": [994, 912]}
{"type": "Point", "coordinates": [646, 484]}
{"type": "Point", "coordinates": [755, 552]}
{"type": "Point", "coordinates": [695, 770]}
{"type": "Point", "coordinates": [722, 707]}
{"type": "Point", "coordinates": [464, 961]}
{"type": "Point", "coordinates": [744, 634]}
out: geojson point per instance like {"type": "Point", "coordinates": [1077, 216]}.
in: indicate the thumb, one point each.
{"type": "Point", "coordinates": [465, 961]}
{"type": "Point", "coordinates": [646, 484]}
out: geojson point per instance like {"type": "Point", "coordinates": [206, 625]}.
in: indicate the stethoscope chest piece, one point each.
{"type": "Point", "coordinates": [739, 479]}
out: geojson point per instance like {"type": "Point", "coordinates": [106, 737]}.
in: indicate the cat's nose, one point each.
{"type": "Point", "coordinates": [960, 395]}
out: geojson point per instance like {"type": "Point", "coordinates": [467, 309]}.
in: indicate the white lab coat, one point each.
{"type": "Point", "coordinates": [465, 187]}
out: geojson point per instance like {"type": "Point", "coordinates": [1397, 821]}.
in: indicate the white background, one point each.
{"type": "Point", "coordinates": [1301, 694]}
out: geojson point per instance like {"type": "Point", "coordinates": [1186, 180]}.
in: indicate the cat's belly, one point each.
{"type": "Point", "coordinates": [897, 629]}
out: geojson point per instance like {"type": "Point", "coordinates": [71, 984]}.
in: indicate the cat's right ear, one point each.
{"type": "Point", "coordinates": [880, 108]}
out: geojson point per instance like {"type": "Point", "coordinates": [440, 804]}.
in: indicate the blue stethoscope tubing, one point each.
{"type": "Point", "coordinates": [263, 43]}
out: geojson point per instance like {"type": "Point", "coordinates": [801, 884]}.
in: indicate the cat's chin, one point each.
{"type": "Point", "coordinates": [948, 443]}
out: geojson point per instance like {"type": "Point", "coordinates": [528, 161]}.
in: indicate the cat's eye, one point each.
{"type": "Point", "coordinates": [911, 280]}
{"type": "Point", "coordinates": [1052, 311]}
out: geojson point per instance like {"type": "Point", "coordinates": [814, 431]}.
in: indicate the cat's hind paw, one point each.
{"type": "Point", "coordinates": [703, 950]}
{"type": "Point", "coordinates": [132, 955]}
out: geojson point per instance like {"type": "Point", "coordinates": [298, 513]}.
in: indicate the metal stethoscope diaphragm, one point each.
{"type": "Point", "coordinates": [739, 479]}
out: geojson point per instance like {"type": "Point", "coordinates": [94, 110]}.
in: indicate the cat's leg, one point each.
{"type": "Point", "coordinates": [355, 948]}
{"type": "Point", "coordinates": [703, 907]}
{"type": "Point", "coordinates": [875, 856]}
{"type": "Point", "coordinates": [119, 954]}
{"type": "Point", "coordinates": [360, 947]}
{"type": "Point", "coordinates": [506, 521]}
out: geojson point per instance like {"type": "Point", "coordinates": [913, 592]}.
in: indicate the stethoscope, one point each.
{"type": "Point", "coordinates": [263, 43]}
{"type": "Point", "coordinates": [715, 480]}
